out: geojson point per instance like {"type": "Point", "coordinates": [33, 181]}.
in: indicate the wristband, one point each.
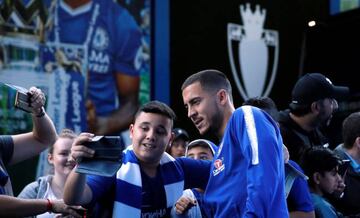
{"type": "Point", "coordinates": [42, 113]}
{"type": "Point", "coordinates": [49, 205]}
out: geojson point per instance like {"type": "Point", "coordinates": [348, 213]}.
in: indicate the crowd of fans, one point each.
{"type": "Point", "coordinates": [268, 163]}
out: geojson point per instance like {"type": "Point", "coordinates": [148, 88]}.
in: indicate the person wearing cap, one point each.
{"type": "Point", "coordinates": [201, 149]}
{"type": "Point", "coordinates": [314, 100]}
{"type": "Point", "coordinates": [177, 147]}
{"type": "Point", "coordinates": [189, 204]}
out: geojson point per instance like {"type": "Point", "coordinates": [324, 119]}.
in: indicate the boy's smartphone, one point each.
{"type": "Point", "coordinates": [343, 167]}
{"type": "Point", "coordinates": [106, 147]}
{"type": "Point", "coordinates": [107, 158]}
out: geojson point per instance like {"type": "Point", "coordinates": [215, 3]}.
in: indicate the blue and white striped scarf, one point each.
{"type": "Point", "coordinates": [129, 185]}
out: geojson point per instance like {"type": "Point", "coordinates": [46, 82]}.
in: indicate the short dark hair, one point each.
{"type": "Point", "coordinates": [351, 129]}
{"type": "Point", "coordinates": [65, 133]}
{"type": "Point", "coordinates": [156, 107]}
{"type": "Point", "coordinates": [264, 103]}
{"type": "Point", "coordinates": [318, 159]}
{"type": "Point", "coordinates": [210, 80]}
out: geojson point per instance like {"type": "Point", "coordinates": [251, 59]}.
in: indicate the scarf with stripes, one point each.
{"type": "Point", "coordinates": [129, 185]}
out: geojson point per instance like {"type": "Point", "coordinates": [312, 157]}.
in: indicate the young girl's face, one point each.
{"type": "Point", "coordinates": [59, 157]}
{"type": "Point", "coordinates": [329, 181]}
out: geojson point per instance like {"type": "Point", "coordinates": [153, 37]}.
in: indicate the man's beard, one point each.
{"type": "Point", "coordinates": [215, 123]}
{"type": "Point", "coordinates": [324, 121]}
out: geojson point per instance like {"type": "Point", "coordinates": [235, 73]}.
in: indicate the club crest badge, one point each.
{"type": "Point", "coordinates": [253, 53]}
{"type": "Point", "coordinates": [218, 166]}
{"type": "Point", "coordinates": [101, 39]}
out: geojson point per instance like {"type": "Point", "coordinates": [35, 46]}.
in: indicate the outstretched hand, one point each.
{"type": "Point", "coordinates": [58, 206]}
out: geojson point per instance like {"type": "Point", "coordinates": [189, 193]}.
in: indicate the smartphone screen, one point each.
{"type": "Point", "coordinates": [343, 167]}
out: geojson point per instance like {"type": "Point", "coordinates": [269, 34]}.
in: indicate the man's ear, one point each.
{"type": "Point", "coordinates": [317, 178]}
{"type": "Point", "coordinates": [222, 96]}
{"type": "Point", "coordinates": [315, 107]}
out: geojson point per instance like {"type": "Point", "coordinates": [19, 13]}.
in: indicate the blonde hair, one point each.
{"type": "Point", "coordinates": [65, 133]}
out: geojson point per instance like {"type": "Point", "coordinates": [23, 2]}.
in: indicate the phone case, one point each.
{"type": "Point", "coordinates": [107, 158]}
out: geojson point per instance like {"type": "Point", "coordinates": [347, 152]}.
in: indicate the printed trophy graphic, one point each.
{"type": "Point", "coordinates": [19, 60]}
{"type": "Point", "coordinates": [28, 58]}
{"type": "Point", "coordinates": [253, 50]}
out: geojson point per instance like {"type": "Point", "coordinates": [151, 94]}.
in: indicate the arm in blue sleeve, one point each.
{"type": "Point", "coordinates": [262, 142]}
{"type": "Point", "coordinates": [299, 197]}
{"type": "Point", "coordinates": [127, 43]}
{"type": "Point", "coordinates": [196, 172]}
{"type": "Point", "coordinates": [99, 186]}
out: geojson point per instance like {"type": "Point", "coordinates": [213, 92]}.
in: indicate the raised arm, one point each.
{"type": "Point", "coordinates": [43, 134]}
{"type": "Point", "coordinates": [76, 191]}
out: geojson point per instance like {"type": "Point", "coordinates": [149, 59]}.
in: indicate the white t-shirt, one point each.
{"type": "Point", "coordinates": [49, 194]}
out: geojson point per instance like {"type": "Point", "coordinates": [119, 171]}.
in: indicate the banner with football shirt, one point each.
{"type": "Point", "coordinates": [72, 55]}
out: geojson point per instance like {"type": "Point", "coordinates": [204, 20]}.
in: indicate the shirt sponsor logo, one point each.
{"type": "Point", "coordinates": [99, 62]}
{"type": "Point", "coordinates": [156, 214]}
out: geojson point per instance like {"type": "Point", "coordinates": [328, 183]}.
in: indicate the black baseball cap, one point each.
{"type": "Point", "coordinates": [181, 133]}
{"type": "Point", "coordinates": [315, 86]}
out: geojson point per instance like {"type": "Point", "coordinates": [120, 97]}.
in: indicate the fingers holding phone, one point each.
{"type": "Point", "coordinates": [79, 150]}
{"type": "Point", "coordinates": [37, 98]}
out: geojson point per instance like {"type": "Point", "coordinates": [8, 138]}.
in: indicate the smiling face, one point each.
{"type": "Point", "coordinates": [202, 108]}
{"type": "Point", "coordinates": [59, 157]}
{"type": "Point", "coordinates": [150, 134]}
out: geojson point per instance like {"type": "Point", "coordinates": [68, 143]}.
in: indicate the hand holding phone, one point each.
{"type": "Point", "coordinates": [107, 158]}
{"type": "Point", "coordinates": [30, 101]}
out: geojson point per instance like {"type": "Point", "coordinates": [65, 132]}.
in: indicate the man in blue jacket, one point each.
{"type": "Point", "coordinates": [247, 174]}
